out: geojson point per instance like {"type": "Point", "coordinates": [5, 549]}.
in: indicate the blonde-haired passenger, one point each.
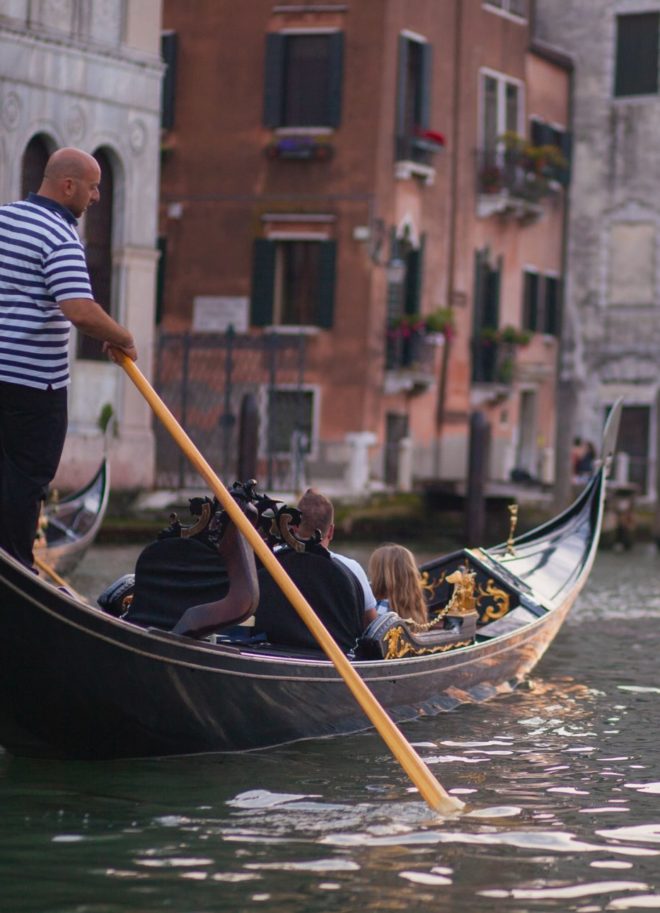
{"type": "Point", "coordinates": [396, 583]}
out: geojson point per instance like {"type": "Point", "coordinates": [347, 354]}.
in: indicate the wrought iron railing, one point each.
{"type": "Point", "coordinates": [514, 173]}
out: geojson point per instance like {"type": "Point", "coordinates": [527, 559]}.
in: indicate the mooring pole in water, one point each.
{"type": "Point", "coordinates": [475, 500]}
{"type": "Point", "coordinates": [431, 790]}
{"type": "Point", "coordinates": [248, 438]}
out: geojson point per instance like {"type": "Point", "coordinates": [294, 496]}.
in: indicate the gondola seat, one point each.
{"type": "Point", "coordinates": [171, 575]}
{"type": "Point", "coordinates": [390, 637]}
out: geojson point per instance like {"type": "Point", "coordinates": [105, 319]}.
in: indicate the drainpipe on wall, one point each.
{"type": "Point", "coordinates": [451, 245]}
{"type": "Point", "coordinates": [566, 391]}
{"type": "Point", "coordinates": [567, 380]}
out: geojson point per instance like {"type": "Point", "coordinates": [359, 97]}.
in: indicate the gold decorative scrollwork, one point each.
{"type": "Point", "coordinates": [398, 646]}
{"type": "Point", "coordinates": [499, 605]}
{"type": "Point", "coordinates": [430, 586]}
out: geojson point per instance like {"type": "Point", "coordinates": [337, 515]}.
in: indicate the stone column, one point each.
{"type": "Point", "coordinates": [357, 471]}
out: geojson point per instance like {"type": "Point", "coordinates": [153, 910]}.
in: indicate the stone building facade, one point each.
{"type": "Point", "coordinates": [87, 73]}
{"type": "Point", "coordinates": [612, 318]}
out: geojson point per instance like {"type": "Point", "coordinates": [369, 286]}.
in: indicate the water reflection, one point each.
{"type": "Point", "coordinates": [561, 780]}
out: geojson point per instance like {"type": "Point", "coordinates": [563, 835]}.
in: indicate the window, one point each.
{"type": "Point", "coordinates": [637, 54]}
{"type": "Point", "coordinates": [413, 99]}
{"type": "Point", "coordinates": [541, 303]}
{"type": "Point", "coordinates": [293, 282]}
{"type": "Point", "coordinates": [168, 46]}
{"type": "Point", "coordinates": [501, 118]}
{"type": "Point", "coordinates": [486, 318]}
{"type": "Point", "coordinates": [290, 421]}
{"type": "Point", "coordinates": [502, 109]}
{"type": "Point", "coordinates": [544, 134]}
{"type": "Point", "coordinates": [406, 277]}
{"type": "Point", "coordinates": [98, 251]}
{"type": "Point", "coordinates": [303, 79]}
{"type": "Point", "coordinates": [635, 430]}
{"type": "Point", "coordinates": [513, 7]}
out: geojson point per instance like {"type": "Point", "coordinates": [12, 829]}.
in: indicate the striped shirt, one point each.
{"type": "Point", "coordinates": [42, 262]}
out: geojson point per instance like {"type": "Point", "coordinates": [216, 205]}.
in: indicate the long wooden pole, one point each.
{"type": "Point", "coordinates": [46, 568]}
{"type": "Point", "coordinates": [433, 793]}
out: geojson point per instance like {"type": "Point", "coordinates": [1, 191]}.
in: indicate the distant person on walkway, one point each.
{"type": "Point", "coordinates": [396, 583]}
{"type": "Point", "coordinates": [584, 466]}
{"type": "Point", "coordinates": [317, 513]}
{"type": "Point", "coordinates": [44, 288]}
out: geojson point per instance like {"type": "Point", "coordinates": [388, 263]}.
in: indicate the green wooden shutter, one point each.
{"type": "Point", "coordinates": [161, 245]}
{"type": "Point", "coordinates": [327, 281]}
{"type": "Point", "coordinates": [530, 319]}
{"type": "Point", "coordinates": [400, 140]}
{"type": "Point", "coordinates": [336, 78]}
{"type": "Point", "coordinates": [551, 310]}
{"type": "Point", "coordinates": [480, 272]}
{"type": "Point", "coordinates": [566, 146]}
{"type": "Point", "coordinates": [274, 79]}
{"type": "Point", "coordinates": [414, 278]}
{"type": "Point", "coordinates": [168, 50]}
{"type": "Point", "coordinates": [263, 282]}
{"type": "Point", "coordinates": [492, 299]}
{"type": "Point", "coordinates": [425, 86]}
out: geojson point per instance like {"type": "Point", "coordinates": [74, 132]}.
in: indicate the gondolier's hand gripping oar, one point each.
{"type": "Point", "coordinates": [419, 773]}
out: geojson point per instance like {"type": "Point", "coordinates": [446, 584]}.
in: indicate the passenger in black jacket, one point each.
{"type": "Point", "coordinates": [332, 590]}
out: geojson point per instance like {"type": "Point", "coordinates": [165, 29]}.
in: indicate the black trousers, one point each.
{"type": "Point", "coordinates": [33, 427]}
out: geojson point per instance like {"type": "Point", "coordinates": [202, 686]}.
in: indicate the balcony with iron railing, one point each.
{"type": "Point", "coordinates": [412, 344]}
{"type": "Point", "coordinates": [495, 359]}
{"type": "Point", "coordinates": [410, 360]}
{"type": "Point", "coordinates": [517, 176]}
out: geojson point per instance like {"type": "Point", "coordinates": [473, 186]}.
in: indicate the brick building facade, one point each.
{"type": "Point", "coordinates": [386, 177]}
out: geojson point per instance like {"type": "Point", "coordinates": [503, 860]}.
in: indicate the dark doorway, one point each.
{"type": "Point", "coordinates": [35, 157]}
{"type": "Point", "coordinates": [634, 440]}
{"type": "Point", "coordinates": [98, 250]}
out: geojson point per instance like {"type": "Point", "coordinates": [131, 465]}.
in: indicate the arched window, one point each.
{"type": "Point", "coordinates": [35, 157]}
{"type": "Point", "coordinates": [98, 249]}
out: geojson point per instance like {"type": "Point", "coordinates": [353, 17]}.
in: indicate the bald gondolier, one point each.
{"type": "Point", "coordinates": [44, 288]}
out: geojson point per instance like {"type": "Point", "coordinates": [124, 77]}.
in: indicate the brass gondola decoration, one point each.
{"type": "Point", "coordinates": [513, 522]}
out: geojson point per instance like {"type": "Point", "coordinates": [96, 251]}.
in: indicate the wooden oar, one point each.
{"type": "Point", "coordinates": [52, 573]}
{"type": "Point", "coordinates": [419, 773]}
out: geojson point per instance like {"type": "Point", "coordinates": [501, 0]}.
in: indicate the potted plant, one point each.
{"type": "Point", "coordinates": [441, 321]}
{"type": "Point", "coordinates": [513, 336]}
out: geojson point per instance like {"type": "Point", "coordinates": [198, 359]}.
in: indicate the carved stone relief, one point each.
{"type": "Point", "coordinates": [58, 15]}
{"type": "Point", "coordinates": [10, 110]}
{"type": "Point", "coordinates": [137, 135]}
{"type": "Point", "coordinates": [76, 124]}
{"type": "Point", "coordinates": [106, 21]}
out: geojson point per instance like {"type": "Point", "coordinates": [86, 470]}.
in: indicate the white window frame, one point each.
{"type": "Point", "coordinates": [504, 11]}
{"type": "Point", "coordinates": [503, 79]}
{"type": "Point", "coordinates": [275, 235]}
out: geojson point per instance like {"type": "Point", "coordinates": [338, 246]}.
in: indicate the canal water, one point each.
{"type": "Point", "coordinates": [561, 780]}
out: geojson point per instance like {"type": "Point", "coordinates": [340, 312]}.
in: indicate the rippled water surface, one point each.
{"type": "Point", "coordinates": [561, 781]}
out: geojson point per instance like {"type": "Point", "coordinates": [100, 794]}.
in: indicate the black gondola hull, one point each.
{"type": "Point", "coordinates": [76, 682]}
{"type": "Point", "coordinates": [93, 687]}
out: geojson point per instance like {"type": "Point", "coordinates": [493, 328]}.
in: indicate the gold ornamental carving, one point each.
{"type": "Point", "coordinates": [398, 646]}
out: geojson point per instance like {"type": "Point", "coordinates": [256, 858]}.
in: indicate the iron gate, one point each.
{"type": "Point", "coordinates": [206, 379]}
